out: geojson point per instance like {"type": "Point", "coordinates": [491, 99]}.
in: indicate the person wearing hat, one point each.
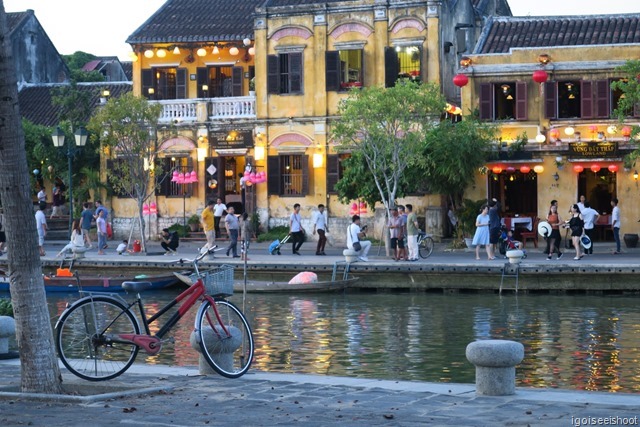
{"type": "Point", "coordinates": [554, 238]}
{"type": "Point", "coordinates": [590, 217]}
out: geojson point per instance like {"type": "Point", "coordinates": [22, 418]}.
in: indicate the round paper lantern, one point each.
{"type": "Point", "coordinates": [626, 131]}
{"type": "Point", "coordinates": [525, 169]}
{"type": "Point", "coordinates": [593, 129]}
{"type": "Point", "coordinates": [540, 76]}
{"type": "Point", "coordinates": [613, 168]}
{"type": "Point", "coordinates": [578, 168]}
{"type": "Point", "coordinates": [460, 80]}
{"type": "Point", "coordinates": [540, 138]}
{"type": "Point", "coordinates": [595, 168]}
{"type": "Point", "coordinates": [363, 207]}
{"type": "Point", "coordinates": [50, 168]}
{"type": "Point", "coordinates": [175, 176]}
{"type": "Point", "coordinates": [153, 208]}
{"type": "Point", "coordinates": [496, 169]}
{"type": "Point", "coordinates": [145, 209]}
{"type": "Point", "coordinates": [554, 133]}
{"type": "Point", "coordinates": [194, 176]}
{"type": "Point", "coordinates": [511, 169]}
{"type": "Point", "coordinates": [569, 130]}
{"type": "Point", "coordinates": [538, 168]}
{"type": "Point", "coordinates": [36, 172]}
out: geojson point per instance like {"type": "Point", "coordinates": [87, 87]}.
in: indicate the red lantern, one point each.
{"type": "Point", "coordinates": [511, 169]}
{"type": "Point", "coordinates": [595, 168]}
{"type": "Point", "coordinates": [626, 131]}
{"type": "Point", "coordinates": [554, 133]}
{"type": "Point", "coordinates": [460, 80]}
{"type": "Point", "coordinates": [613, 168]}
{"type": "Point", "coordinates": [525, 169]}
{"type": "Point", "coordinates": [496, 170]}
{"type": "Point", "coordinates": [540, 76]}
{"type": "Point", "coordinates": [593, 129]}
{"type": "Point", "coordinates": [578, 168]}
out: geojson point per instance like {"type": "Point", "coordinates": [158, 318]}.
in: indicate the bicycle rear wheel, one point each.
{"type": "Point", "coordinates": [225, 338]}
{"type": "Point", "coordinates": [84, 338]}
{"type": "Point", "coordinates": [426, 247]}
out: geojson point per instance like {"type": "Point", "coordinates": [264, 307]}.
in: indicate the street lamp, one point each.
{"type": "Point", "coordinates": [81, 136]}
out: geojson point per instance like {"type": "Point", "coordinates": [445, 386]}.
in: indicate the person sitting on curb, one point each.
{"type": "Point", "coordinates": [355, 234]}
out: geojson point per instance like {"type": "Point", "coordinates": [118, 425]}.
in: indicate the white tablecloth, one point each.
{"type": "Point", "coordinates": [527, 221]}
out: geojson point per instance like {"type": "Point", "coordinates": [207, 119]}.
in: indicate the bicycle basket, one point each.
{"type": "Point", "coordinates": [217, 282]}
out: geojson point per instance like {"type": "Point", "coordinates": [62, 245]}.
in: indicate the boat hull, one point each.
{"type": "Point", "coordinates": [88, 283]}
{"type": "Point", "coordinates": [255, 286]}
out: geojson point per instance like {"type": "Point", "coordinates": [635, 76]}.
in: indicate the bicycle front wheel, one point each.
{"type": "Point", "coordinates": [225, 338]}
{"type": "Point", "coordinates": [426, 247]}
{"type": "Point", "coordinates": [85, 334]}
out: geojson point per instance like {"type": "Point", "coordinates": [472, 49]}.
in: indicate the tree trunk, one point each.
{"type": "Point", "coordinates": [38, 361]}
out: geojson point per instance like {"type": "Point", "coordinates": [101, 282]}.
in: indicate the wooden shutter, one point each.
{"type": "Point", "coordinates": [304, 163]}
{"type": "Point", "coordinates": [332, 70]}
{"type": "Point", "coordinates": [486, 101]}
{"type": "Point", "coordinates": [236, 81]}
{"type": "Point", "coordinates": [550, 100]}
{"type": "Point", "coordinates": [333, 172]}
{"type": "Point", "coordinates": [202, 78]}
{"type": "Point", "coordinates": [391, 66]}
{"type": "Point", "coordinates": [295, 72]}
{"type": "Point", "coordinates": [147, 82]}
{"type": "Point", "coordinates": [273, 175]}
{"type": "Point", "coordinates": [521, 101]}
{"type": "Point", "coordinates": [181, 83]}
{"type": "Point", "coordinates": [586, 99]}
{"type": "Point", "coordinates": [273, 74]}
{"type": "Point", "coordinates": [601, 99]}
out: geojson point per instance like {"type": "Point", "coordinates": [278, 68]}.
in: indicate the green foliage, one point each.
{"type": "Point", "coordinates": [182, 230]}
{"type": "Point", "coordinates": [90, 183]}
{"type": "Point", "coordinates": [384, 129]}
{"type": "Point", "coordinates": [255, 223]}
{"type": "Point", "coordinates": [273, 234]}
{"type": "Point", "coordinates": [77, 60]}
{"type": "Point", "coordinates": [86, 76]}
{"type": "Point", "coordinates": [193, 219]}
{"type": "Point", "coordinates": [630, 86]}
{"type": "Point", "coordinates": [467, 215]}
{"type": "Point", "coordinates": [6, 309]}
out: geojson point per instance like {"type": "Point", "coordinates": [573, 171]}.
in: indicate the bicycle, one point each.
{"type": "Point", "coordinates": [98, 336]}
{"type": "Point", "coordinates": [425, 244]}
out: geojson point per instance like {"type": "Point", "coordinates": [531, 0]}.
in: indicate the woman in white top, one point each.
{"type": "Point", "coordinates": [77, 239]}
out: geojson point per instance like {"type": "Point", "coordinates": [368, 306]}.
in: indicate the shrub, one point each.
{"type": "Point", "coordinates": [6, 309]}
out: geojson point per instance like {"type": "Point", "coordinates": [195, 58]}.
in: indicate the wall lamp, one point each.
{"type": "Point", "coordinates": [635, 175]}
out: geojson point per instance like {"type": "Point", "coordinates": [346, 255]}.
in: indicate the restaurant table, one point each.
{"type": "Point", "coordinates": [512, 222]}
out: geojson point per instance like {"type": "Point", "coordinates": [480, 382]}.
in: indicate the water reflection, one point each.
{"type": "Point", "coordinates": [572, 342]}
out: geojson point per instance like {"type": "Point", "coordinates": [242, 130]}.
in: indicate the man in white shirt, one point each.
{"type": "Point", "coordinates": [320, 225]}
{"type": "Point", "coordinates": [218, 210]}
{"type": "Point", "coordinates": [615, 224]}
{"type": "Point", "coordinates": [590, 216]}
{"type": "Point", "coordinates": [356, 234]}
{"type": "Point", "coordinates": [41, 223]}
{"type": "Point", "coordinates": [581, 202]}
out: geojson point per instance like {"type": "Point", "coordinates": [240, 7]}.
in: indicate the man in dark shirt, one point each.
{"type": "Point", "coordinates": [494, 226]}
{"type": "Point", "coordinates": [170, 241]}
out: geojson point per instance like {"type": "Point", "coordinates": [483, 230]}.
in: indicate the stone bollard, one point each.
{"type": "Point", "coordinates": [350, 255]}
{"type": "Point", "coordinates": [224, 354]}
{"type": "Point", "coordinates": [7, 330]}
{"type": "Point", "coordinates": [515, 256]}
{"type": "Point", "coordinates": [495, 362]}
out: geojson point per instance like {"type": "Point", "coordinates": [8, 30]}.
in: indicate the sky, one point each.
{"type": "Point", "coordinates": [101, 28]}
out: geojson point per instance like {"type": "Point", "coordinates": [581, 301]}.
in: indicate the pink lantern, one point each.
{"type": "Point", "coordinates": [525, 169]}
{"type": "Point", "coordinates": [181, 178]}
{"type": "Point", "coordinates": [175, 176]}
{"type": "Point", "coordinates": [252, 176]}
{"type": "Point", "coordinates": [613, 168]}
{"type": "Point", "coordinates": [145, 209]}
{"type": "Point", "coordinates": [363, 207]}
{"type": "Point", "coordinates": [578, 168]}
{"type": "Point", "coordinates": [194, 177]}
{"type": "Point", "coordinates": [153, 209]}
{"type": "Point", "coordinates": [595, 168]}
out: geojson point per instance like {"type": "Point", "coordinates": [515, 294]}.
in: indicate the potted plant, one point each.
{"type": "Point", "coordinates": [467, 215]}
{"type": "Point", "coordinates": [194, 222]}
{"type": "Point", "coordinates": [252, 87]}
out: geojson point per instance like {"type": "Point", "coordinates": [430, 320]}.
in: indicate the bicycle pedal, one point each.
{"type": "Point", "coordinates": [170, 340]}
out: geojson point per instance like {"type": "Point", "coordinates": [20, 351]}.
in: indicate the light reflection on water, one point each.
{"type": "Point", "coordinates": [571, 342]}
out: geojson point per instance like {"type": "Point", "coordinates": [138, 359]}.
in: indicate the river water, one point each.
{"type": "Point", "coordinates": [579, 342]}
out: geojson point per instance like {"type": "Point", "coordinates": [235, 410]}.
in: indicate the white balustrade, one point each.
{"type": "Point", "coordinates": [233, 108]}
{"type": "Point", "coordinates": [178, 110]}
{"type": "Point", "coordinates": [185, 110]}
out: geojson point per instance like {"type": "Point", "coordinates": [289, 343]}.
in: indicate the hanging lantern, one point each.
{"type": "Point", "coordinates": [569, 130]}
{"type": "Point", "coordinates": [363, 207]}
{"type": "Point", "coordinates": [175, 176]}
{"type": "Point", "coordinates": [234, 51]}
{"type": "Point", "coordinates": [595, 168]}
{"type": "Point", "coordinates": [511, 169]}
{"type": "Point", "coordinates": [593, 129]}
{"type": "Point", "coordinates": [578, 168]}
{"type": "Point", "coordinates": [626, 132]}
{"type": "Point", "coordinates": [540, 76]}
{"type": "Point", "coordinates": [540, 138]}
{"type": "Point", "coordinates": [554, 133]}
{"type": "Point", "coordinates": [194, 177]}
{"type": "Point", "coordinates": [145, 209]}
{"type": "Point", "coordinates": [613, 168]}
{"type": "Point", "coordinates": [538, 168]}
{"type": "Point", "coordinates": [496, 169]}
{"type": "Point", "coordinates": [153, 208]}
{"type": "Point", "coordinates": [460, 80]}
{"type": "Point", "coordinates": [525, 169]}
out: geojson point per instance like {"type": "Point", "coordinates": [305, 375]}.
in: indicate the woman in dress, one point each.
{"type": "Point", "coordinates": [576, 225]}
{"type": "Point", "coordinates": [482, 232]}
{"type": "Point", "coordinates": [553, 240]}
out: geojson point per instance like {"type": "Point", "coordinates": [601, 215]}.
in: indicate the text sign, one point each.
{"type": "Point", "coordinates": [593, 149]}
{"type": "Point", "coordinates": [231, 139]}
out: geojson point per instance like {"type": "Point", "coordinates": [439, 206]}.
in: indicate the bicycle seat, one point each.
{"type": "Point", "coordinates": [136, 286]}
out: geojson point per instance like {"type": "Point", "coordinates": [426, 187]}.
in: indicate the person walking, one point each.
{"type": "Point", "coordinates": [57, 201]}
{"type": "Point", "coordinates": [232, 226]}
{"type": "Point", "coordinates": [105, 215]}
{"type": "Point", "coordinates": [576, 225]}
{"type": "Point", "coordinates": [246, 231]}
{"type": "Point", "coordinates": [590, 217]}
{"type": "Point", "coordinates": [481, 236]}
{"type": "Point", "coordinates": [218, 211]}
{"type": "Point", "coordinates": [86, 217]}
{"type": "Point", "coordinates": [209, 225]}
{"type": "Point", "coordinates": [355, 234]}
{"type": "Point", "coordinates": [295, 229]}
{"type": "Point", "coordinates": [42, 196]}
{"type": "Point", "coordinates": [101, 225]}
{"type": "Point", "coordinates": [494, 226]}
{"type": "Point", "coordinates": [615, 224]}
{"type": "Point", "coordinates": [41, 224]}
{"type": "Point", "coordinates": [412, 233]}
{"type": "Point", "coordinates": [320, 226]}
{"type": "Point", "coordinates": [553, 240]}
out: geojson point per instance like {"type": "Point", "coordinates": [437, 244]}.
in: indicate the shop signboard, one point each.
{"type": "Point", "coordinates": [593, 150]}
{"type": "Point", "coordinates": [225, 139]}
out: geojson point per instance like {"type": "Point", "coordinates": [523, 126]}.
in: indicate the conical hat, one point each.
{"type": "Point", "coordinates": [544, 228]}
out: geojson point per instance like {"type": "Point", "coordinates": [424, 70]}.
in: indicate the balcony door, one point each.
{"type": "Point", "coordinates": [220, 81]}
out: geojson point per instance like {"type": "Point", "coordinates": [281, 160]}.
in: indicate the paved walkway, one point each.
{"type": "Point", "coordinates": [162, 396]}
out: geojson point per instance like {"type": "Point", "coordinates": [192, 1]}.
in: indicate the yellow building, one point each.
{"type": "Point", "coordinates": [549, 80]}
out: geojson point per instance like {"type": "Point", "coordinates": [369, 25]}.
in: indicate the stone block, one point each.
{"type": "Point", "coordinates": [495, 362]}
{"type": "Point", "coordinates": [350, 255]}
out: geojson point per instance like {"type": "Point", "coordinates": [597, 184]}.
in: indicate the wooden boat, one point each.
{"type": "Point", "coordinates": [94, 283]}
{"type": "Point", "coordinates": [256, 286]}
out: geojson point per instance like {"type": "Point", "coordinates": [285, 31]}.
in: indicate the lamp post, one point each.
{"type": "Point", "coordinates": [80, 135]}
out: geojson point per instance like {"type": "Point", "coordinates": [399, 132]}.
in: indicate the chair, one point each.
{"type": "Point", "coordinates": [531, 235]}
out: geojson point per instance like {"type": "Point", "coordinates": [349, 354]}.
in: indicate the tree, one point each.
{"type": "Point", "coordinates": [387, 128]}
{"type": "Point", "coordinates": [76, 61]}
{"type": "Point", "coordinates": [630, 102]}
{"type": "Point", "coordinates": [126, 127]}
{"type": "Point", "coordinates": [39, 364]}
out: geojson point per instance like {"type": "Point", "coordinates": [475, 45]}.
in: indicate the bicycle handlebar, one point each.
{"type": "Point", "coordinates": [195, 260]}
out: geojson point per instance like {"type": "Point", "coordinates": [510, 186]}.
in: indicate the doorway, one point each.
{"type": "Point", "coordinates": [516, 191]}
{"type": "Point", "coordinates": [598, 188]}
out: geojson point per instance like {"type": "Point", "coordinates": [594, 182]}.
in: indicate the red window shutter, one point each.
{"type": "Point", "coordinates": [486, 101]}
{"type": "Point", "coordinates": [521, 101]}
{"type": "Point", "coordinates": [551, 100]}
{"type": "Point", "coordinates": [602, 95]}
{"type": "Point", "coordinates": [586, 99]}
